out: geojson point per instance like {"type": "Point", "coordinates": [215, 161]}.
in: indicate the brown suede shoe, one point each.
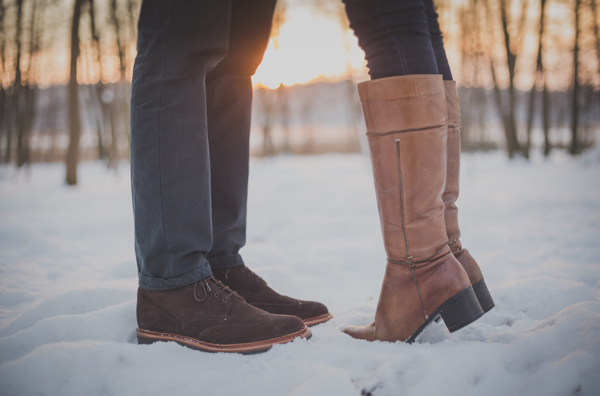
{"type": "Point", "coordinates": [256, 292]}
{"type": "Point", "coordinates": [210, 317]}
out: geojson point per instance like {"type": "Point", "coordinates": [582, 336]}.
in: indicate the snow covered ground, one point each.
{"type": "Point", "coordinates": [68, 283]}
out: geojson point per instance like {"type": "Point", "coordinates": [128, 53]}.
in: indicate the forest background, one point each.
{"type": "Point", "coordinates": [528, 73]}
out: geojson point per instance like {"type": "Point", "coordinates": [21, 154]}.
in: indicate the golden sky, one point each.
{"type": "Point", "coordinates": [314, 46]}
{"type": "Point", "coordinates": [311, 46]}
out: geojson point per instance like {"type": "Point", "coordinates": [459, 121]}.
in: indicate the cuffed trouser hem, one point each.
{"type": "Point", "coordinates": [225, 261]}
{"type": "Point", "coordinates": [173, 283]}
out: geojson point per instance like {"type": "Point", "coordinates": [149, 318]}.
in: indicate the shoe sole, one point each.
{"type": "Point", "coordinates": [150, 337]}
{"type": "Point", "coordinates": [457, 312]}
{"type": "Point", "coordinates": [317, 319]}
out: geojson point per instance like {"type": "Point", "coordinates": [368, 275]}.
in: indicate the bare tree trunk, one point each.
{"type": "Point", "coordinates": [102, 126]}
{"type": "Point", "coordinates": [306, 114]}
{"type": "Point", "coordinates": [52, 120]}
{"type": "Point", "coordinates": [539, 79]}
{"type": "Point", "coordinates": [574, 149]}
{"type": "Point", "coordinates": [118, 107]}
{"type": "Point", "coordinates": [117, 25]}
{"type": "Point", "coordinates": [546, 120]}
{"type": "Point", "coordinates": [16, 88]}
{"type": "Point", "coordinates": [3, 93]}
{"type": "Point", "coordinates": [9, 128]}
{"type": "Point", "coordinates": [284, 116]}
{"type": "Point", "coordinates": [26, 115]}
{"type": "Point", "coordinates": [506, 112]}
{"type": "Point", "coordinates": [594, 7]}
{"type": "Point", "coordinates": [268, 110]}
{"type": "Point", "coordinates": [506, 123]}
{"type": "Point", "coordinates": [355, 111]}
{"type": "Point", "coordinates": [74, 121]}
{"type": "Point", "coordinates": [113, 158]}
{"type": "Point", "coordinates": [19, 24]}
{"type": "Point", "coordinates": [511, 58]}
{"type": "Point", "coordinates": [3, 128]}
{"type": "Point", "coordinates": [24, 124]}
{"type": "Point", "coordinates": [7, 95]}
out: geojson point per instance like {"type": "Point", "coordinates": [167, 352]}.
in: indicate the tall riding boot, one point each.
{"type": "Point", "coordinates": [451, 195]}
{"type": "Point", "coordinates": [407, 128]}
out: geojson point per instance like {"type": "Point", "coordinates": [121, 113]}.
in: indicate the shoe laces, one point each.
{"type": "Point", "coordinates": [218, 288]}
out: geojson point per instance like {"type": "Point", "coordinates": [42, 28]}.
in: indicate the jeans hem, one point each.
{"type": "Point", "coordinates": [148, 283]}
{"type": "Point", "coordinates": [233, 260]}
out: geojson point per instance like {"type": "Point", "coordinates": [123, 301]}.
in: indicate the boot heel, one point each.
{"type": "Point", "coordinates": [483, 295]}
{"type": "Point", "coordinates": [461, 310]}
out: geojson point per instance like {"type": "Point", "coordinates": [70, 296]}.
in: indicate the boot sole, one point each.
{"type": "Point", "coordinates": [149, 337]}
{"type": "Point", "coordinates": [317, 319]}
{"type": "Point", "coordinates": [483, 295]}
{"type": "Point", "coordinates": [457, 312]}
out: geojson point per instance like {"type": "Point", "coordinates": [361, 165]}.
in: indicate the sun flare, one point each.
{"type": "Point", "coordinates": [310, 47]}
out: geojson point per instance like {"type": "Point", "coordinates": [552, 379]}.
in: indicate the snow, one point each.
{"type": "Point", "coordinates": [68, 284]}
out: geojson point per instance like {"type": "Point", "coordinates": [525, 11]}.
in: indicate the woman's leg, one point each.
{"type": "Point", "coordinates": [407, 124]}
{"type": "Point", "coordinates": [394, 35]}
{"type": "Point", "coordinates": [437, 41]}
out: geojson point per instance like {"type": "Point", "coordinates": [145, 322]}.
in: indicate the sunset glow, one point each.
{"type": "Point", "coordinates": [310, 47]}
{"type": "Point", "coordinates": [313, 45]}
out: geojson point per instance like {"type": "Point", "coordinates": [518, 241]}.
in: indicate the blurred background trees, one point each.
{"type": "Point", "coordinates": [65, 80]}
{"type": "Point", "coordinates": [537, 61]}
{"type": "Point", "coordinates": [528, 74]}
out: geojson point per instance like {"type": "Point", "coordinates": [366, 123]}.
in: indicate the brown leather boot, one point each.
{"type": "Point", "coordinates": [407, 127]}
{"type": "Point", "coordinates": [256, 292]}
{"type": "Point", "coordinates": [210, 317]}
{"type": "Point", "coordinates": [451, 195]}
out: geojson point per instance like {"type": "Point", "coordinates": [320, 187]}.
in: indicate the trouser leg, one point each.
{"type": "Point", "coordinates": [229, 107]}
{"type": "Point", "coordinates": [394, 35]}
{"type": "Point", "coordinates": [178, 43]}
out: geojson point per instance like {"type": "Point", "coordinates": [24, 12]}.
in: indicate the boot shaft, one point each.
{"type": "Point", "coordinates": [406, 121]}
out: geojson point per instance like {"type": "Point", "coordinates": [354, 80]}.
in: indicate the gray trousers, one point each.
{"type": "Point", "coordinates": [191, 103]}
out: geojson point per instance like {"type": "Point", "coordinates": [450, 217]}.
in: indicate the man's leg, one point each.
{"type": "Point", "coordinates": [229, 108]}
{"type": "Point", "coordinates": [178, 43]}
{"type": "Point", "coordinates": [229, 102]}
{"type": "Point", "coordinates": [178, 299]}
